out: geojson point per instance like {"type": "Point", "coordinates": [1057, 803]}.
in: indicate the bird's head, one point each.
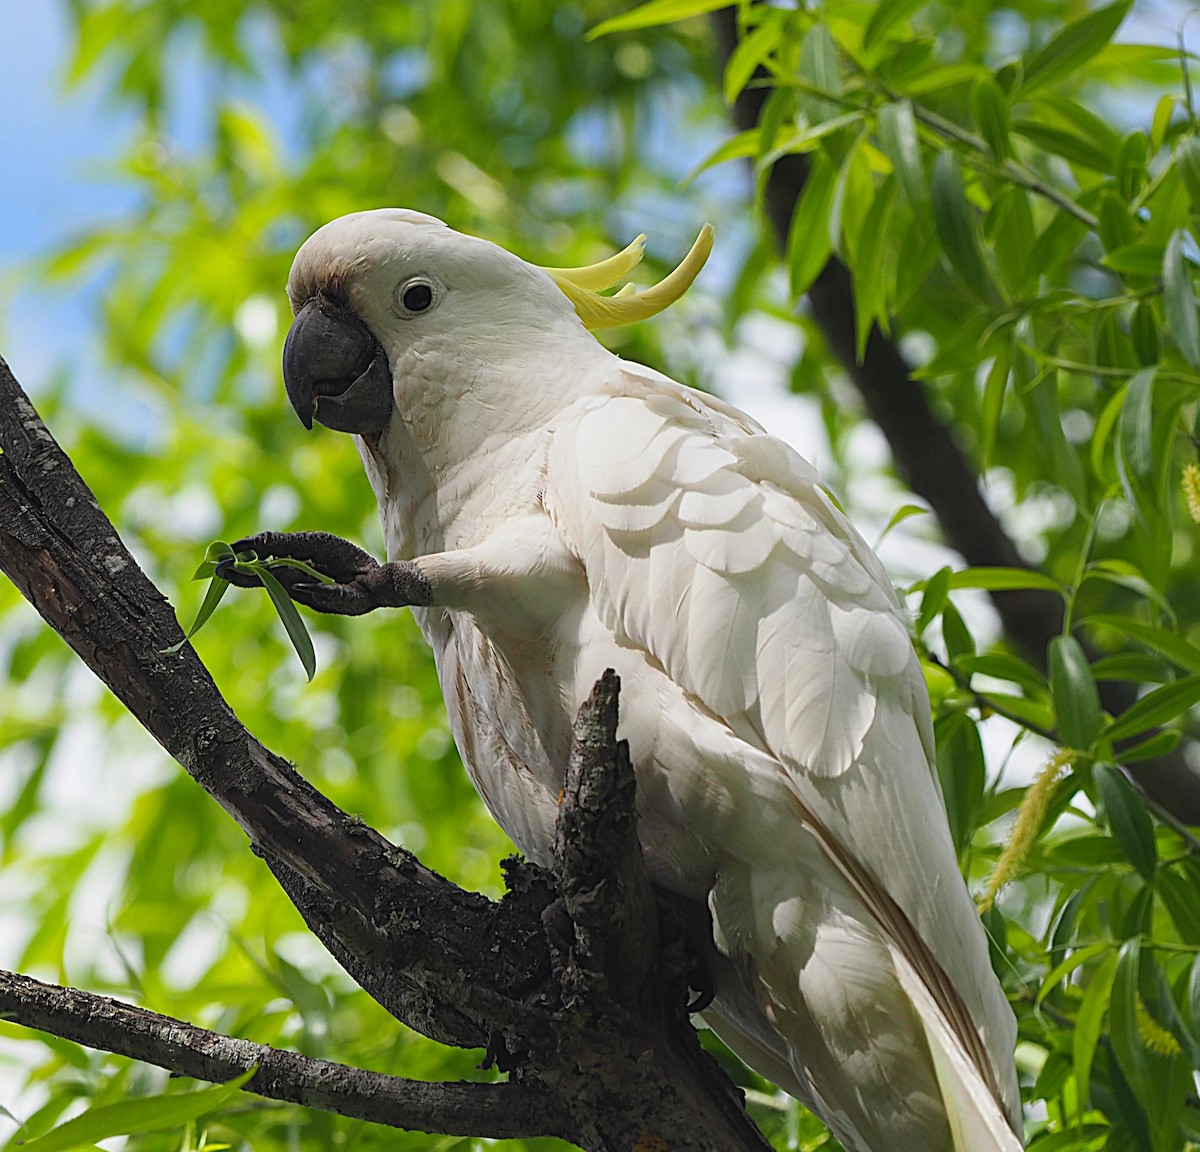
{"type": "Point", "coordinates": [380, 295]}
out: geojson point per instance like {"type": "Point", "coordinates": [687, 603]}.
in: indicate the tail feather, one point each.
{"type": "Point", "coordinates": [977, 1122]}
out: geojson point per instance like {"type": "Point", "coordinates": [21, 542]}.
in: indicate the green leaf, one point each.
{"type": "Point", "coordinates": [870, 282]}
{"type": "Point", "coordinates": [1073, 46]}
{"type": "Point", "coordinates": [1135, 260]}
{"type": "Point", "coordinates": [1187, 157]}
{"type": "Point", "coordinates": [296, 630]}
{"type": "Point", "coordinates": [887, 14]}
{"type": "Point", "coordinates": [1076, 701]}
{"type": "Point", "coordinates": [1090, 1022]}
{"type": "Point", "coordinates": [819, 71]}
{"type": "Point", "coordinates": [1003, 666]}
{"type": "Point", "coordinates": [933, 598]}
{"type": "Point", "coordinates": [1127, 1044]}
{"type": "Point", "coordinates": [898, 138]}
{"type": "Point", "coordinates": [809, 242]}
{"type": "Point", "coordinates": [751, 51]}
{"type": "Point", "coordinates": [1169, 644]}
{"type": "Point", "coordinates": [958, 638]}
{"type": "Point", "coordinates": [1152, 748]}
{"type": "Point", "coordinates": [1127, 817]}
{"type": "Point", "coordinates": [740, 147]}
{"type": "Point", "coordinates": [1158, 706]}
{"type": "Point", "coordinates": [1135, 439]}
{"type": "Point", "coordinates": [904, 512]}
{"type": "Point", "coordinates": [1143, 330]}
{"type": "Point", "coordinates": [1004, 580]}
{"type": "Point", "coordinates": [1179, 300]}
{"type": "Point", "coordinates": [989, 107]}
{"type": "Point", "coordinates": [993, 402]}
{"type": "Point", "coordinates": [217, 588]}
{"type": "Point", "coordinates": [145, 1114]}
{"type": "Point", "coordinates": [1181, 898]}
{"type": "Point", "coordinates": [1059, 141]}
{"type": "Point", "coordinates": [1161, 121]}
{"type": "Point", "coordinates": [655, 14]}
{"type": "Point", "coordinates": [956, 226]}
{"type": "Point", "coordinates": [960, 767]}
{"type": "Point", "coordinates": [1076, 958]}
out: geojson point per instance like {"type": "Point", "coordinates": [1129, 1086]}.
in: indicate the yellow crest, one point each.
{"type": "Point", "coordinates": [582, 286]}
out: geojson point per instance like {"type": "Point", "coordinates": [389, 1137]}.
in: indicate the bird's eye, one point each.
{"type": "Point", "coordinates": [415, 296]}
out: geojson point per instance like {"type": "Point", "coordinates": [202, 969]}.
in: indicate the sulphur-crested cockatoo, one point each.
{"type": "Point", "coordinates": [550, 511]}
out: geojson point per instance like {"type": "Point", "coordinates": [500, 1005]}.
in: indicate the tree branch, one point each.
{"type": "Point", "coordinates": [925, 452]}
{"type": "Point", "coordinates": [611, 1063]}
{"type": "Point", "coordinates": [496, 1111]}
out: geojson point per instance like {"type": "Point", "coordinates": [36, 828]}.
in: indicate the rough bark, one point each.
{"type": "Point", "coordinates": [926, 455]}
{"type": "Point", "coordinates": [595, 1032]}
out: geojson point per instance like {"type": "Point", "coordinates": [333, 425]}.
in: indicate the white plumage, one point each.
{"type": "Point", "coordinates": [573, 512]}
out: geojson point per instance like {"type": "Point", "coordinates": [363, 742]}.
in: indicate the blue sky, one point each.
{"type": "Point", "coordinates": [56, 178]}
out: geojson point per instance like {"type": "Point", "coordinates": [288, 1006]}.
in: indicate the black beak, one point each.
{"type": "Point", "coordinates": [335, 370]}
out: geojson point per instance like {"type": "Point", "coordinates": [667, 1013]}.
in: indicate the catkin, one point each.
{"type": "Point", "coordinates": [1028, 824]}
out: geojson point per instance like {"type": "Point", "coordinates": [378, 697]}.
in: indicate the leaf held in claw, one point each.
{"type": "Point", "coordinates": [249, 563]}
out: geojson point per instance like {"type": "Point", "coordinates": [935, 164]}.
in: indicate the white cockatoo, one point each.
{"type": "Point", "coordinates": [551, 511]}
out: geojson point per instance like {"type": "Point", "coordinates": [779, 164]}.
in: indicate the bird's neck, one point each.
{"type": "Point", "coordinates": [466, 448]}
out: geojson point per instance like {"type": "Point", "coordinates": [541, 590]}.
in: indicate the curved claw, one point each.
{"type": "Point", "coordinates": [335, 557]}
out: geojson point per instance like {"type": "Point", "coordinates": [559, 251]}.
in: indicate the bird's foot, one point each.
{"type": "Point", "coordinates": [358, 583]}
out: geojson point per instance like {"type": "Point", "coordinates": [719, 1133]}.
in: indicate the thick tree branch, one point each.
{"type": "Point", "coordinates": [497, 1111]}
{"type": "Point", "coordinates": [610, 1062]}
{"type": "Point", "coordinates": [926, 454]}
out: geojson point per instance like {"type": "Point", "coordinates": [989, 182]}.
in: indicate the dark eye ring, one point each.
{"type": "Point", "coordinates": [416, 296]}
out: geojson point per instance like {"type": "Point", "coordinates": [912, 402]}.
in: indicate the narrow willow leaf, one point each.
{"type": "Point", "coordinates": [1143, 329]}
{"type": "Point", "coordinates": [1004, 580]}
{"type": "Point", "coordinates": [819, 71]}
{"type": "Point", "coordinates": [1064, 142]}
{"type": "Point", "coordinates": [954, 219]}
{"type": "Point", "coordinates": [655, 14]}
{"type": "Point", "coordinates": [1127, 816]}
{"type": "Point", "coordinates": [1129, 165]}
{"type": "Point", "coordinates": [1141, 259]}
{"type": "Point", "coordinates": [1135, 439]}
{"type": "Point", "coordinates": [751, 51]}
{"type": "Point", "coordinates": [956, 634]}
{"type": "Point", "coordinates": [1161, 121]}
{"type": "Point", "coordinates": [145, 1114]}
{"type": "Point", "coordinates": [1127, 1043]}
{"type": "Point", "coordinates": [296, 630]}
{"type": "Point", "coordinates": [1159, 706]}
{"type": "Point", "coordinates": [809, 245]}
{"type": "Point", "coordinates": [1156, 746]}
{"type": "Point", "coordinates": [960, 767]}
{"type": "Point", "coordinates": [740, 147]}
{"type": "Point", "coordinates": [993, 401]}
{"type": "Point", "coordinates": [989, 107]}
{"type": "Point", "coordinates": [1181, 899]}
{"type": "Point", "coordinates": [870, 283]}
{"type": "Point", "coordinates": [898, 138]}
{"type": "Point", "coordinates": [1013, 237]}
{"type": "Point", "coordinates": [1073, 46]}
{"type": "Point", "coordinates": [904, 512]}
{"type": "Point", "coordinates": [1179, 300]}
{"type": "Point", "coordinates": [1170, 644]}
{"type": "Point", "coordinates": [933, 598]}
{"type": "Point", "coordinates": [1076, 701]}
{"type": "Point", "coordinates": [1066, 967]}
{"type": "Point", "coordinates": [887, 14]}
{"type": "Point", "coordinates": [1004, 666]}
{"type": "Point", "coordinates": [216, 589]}
{"type": "Point", "coordinates": [1187, 157]}
{"type": "Point", "coordinates": [1090, 1022]}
